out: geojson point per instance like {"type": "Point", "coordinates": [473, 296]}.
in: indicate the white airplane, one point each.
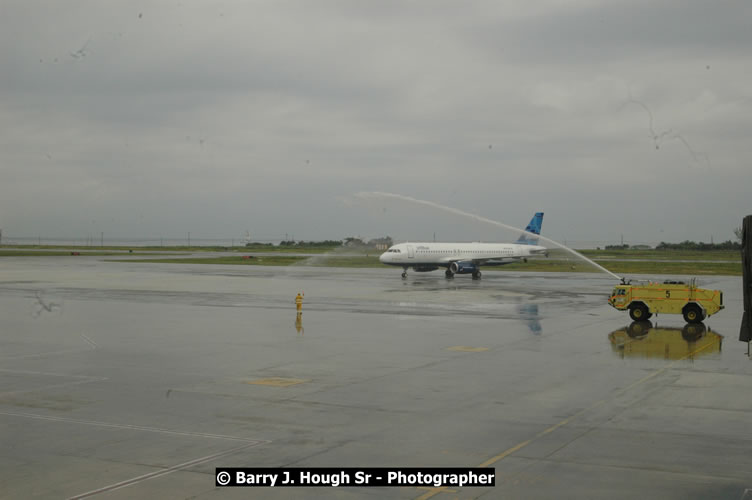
{"type": "Point", "coordinates": [465, 258]}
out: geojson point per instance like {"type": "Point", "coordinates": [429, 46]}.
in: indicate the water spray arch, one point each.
{"type": "Point", "coordinates": [455, 211]}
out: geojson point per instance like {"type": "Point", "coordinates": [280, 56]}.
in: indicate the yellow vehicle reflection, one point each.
{"type": "Point", "coordinates": [299, 323]}
{"type": "Point", "coordinates": [643, 340]}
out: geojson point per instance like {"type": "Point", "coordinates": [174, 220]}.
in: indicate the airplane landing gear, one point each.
{"type": "Point", "coordinates": [404, 274]}
{"type": "Point", "coordinates": [477, 275]}
{"type": "Point", "coordinates": [449, 274]}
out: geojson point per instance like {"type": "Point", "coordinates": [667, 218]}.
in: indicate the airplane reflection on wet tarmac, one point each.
{"type": "Point", "coordinates": [641, 339]}
{"type": "Point", "coordinates": [529, 314]}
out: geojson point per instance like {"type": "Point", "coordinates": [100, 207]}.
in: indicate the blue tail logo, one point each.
{"type": "Point", "coordinates": [536, 223]}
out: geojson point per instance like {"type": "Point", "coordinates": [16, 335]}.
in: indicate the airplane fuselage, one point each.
{"type": "Point", "coordinates": [459, 258]}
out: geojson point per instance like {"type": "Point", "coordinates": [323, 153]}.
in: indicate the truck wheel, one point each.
{"type": "Point", "coordinates": [693, 314]}
{"type": "Point", "coordinates": [639, 312]}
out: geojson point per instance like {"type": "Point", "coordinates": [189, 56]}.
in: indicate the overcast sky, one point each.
{"type": "Point", "coordinates": [159, 118]}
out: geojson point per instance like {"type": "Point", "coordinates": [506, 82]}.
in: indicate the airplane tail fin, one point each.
{"type": "Point", "coordinates": [536, 223]}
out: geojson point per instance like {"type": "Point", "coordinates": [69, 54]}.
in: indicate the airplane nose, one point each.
{"type": "Point", "coordinates": [382, 257]}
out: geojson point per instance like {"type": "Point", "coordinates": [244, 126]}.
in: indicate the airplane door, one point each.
{"type": "Point", "coordinates": [410, 252]}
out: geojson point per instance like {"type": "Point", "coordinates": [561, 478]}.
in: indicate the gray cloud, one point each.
{"type": "Point", "coordinates": [217, 118]}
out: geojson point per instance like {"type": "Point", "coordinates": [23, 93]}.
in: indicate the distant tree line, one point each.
{"type": "Point", "coordinates": [693, 245]}
{"type": "Point", "coordinates": [351, 241]}
{"type": "Point", "coordinates": [254, 244]}
{"type": "Point", "coordinates": [688, 245]}
{"type": "Point", "coordinates": [311, 244]}
{"type": "Point", "coordinates": [381, 243]}
{"type": "Point", "coordinates": [684, 245]}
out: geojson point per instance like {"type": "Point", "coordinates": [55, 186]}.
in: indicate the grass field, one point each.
{"type": "Point", "coordinates": [543, 264]}
{"type": "Point", "coordinates": [276, 260]}
{"type": "Point", "coordinates": [621, 262]}
{"type": "Point", "coordinates": [4, 252]}
{"type": "Point", "coordinates": [31, 250]}
{"type": "Point", "coordinates": [671, 255]}
{"type": "Point", "coordinates": [631, 267]}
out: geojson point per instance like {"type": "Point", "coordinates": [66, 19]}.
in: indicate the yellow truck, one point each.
{"type": "Point", "coordinates": [642, 300]}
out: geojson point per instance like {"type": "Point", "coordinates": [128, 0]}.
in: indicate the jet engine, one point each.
{"type": "Point", "coordinates": [463, 267]}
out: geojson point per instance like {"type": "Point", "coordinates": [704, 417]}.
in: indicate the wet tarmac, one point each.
{"type": "Point", "coordinates": [136, 380]}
